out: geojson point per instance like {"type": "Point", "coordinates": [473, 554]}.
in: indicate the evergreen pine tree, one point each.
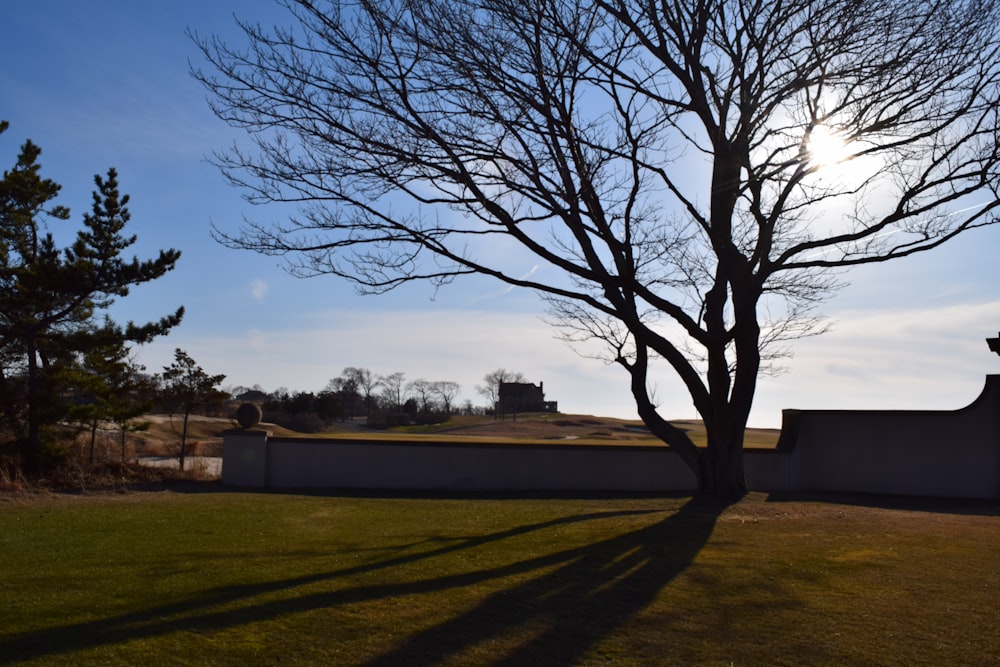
{"type": "Point", "coordinates": [51, 298]}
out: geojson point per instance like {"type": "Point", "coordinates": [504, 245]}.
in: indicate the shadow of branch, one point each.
{"type": "Point", "coordinates": [570, 609]}
{"type": "Point", "coordinates": [204, 611]}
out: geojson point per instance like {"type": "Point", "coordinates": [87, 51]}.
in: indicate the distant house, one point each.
{"type": "Point", "coordinates": [517, 397]}
{"type": "Point", "coordinates": [252, 396]}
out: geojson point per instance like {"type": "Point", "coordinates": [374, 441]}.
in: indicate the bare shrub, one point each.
{"type": "Point", "coordinates": [12, 480]}
{"type": "Point", "coordinates": [160, 448]}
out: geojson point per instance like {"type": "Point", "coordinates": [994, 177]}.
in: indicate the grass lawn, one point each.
{"type": "Point", "coordinates": [205, 576]}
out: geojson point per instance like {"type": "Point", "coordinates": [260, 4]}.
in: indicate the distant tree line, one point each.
{"type": "Point", "coordinates": [359, 393]}
{"type": "Point", "coordinates": [381, 400]}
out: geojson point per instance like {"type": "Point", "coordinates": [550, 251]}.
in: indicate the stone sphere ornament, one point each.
{"type": "Point", "coordinates": [248, 415]}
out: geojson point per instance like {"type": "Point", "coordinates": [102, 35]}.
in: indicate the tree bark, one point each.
{"type": "Point", "coordinates": [184, 437]}
{"type": "Point", "coordinates": [721, 467]}
{"type": "Point", "coordinates": [31, 452]}
{"type": "Point", "coordinates": [93, 440]}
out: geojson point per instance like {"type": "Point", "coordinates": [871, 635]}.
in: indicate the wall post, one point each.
{"type": "Point", "coordinates": [244, 457]}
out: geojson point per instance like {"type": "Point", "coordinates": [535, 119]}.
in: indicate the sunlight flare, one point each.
{"type": "Point", "coordinates": [826, 147]}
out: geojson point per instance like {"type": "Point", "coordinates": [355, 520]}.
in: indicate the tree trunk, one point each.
{"type": "Point", "coordinates": [718, 468]}
{"type": "Point", "coordinates": [721, 471]}
{"type": "Point", "coordinates": [31, 449]}
{"type": "Point", "coordinates": [93, 440]}
{"type": "Point", "coordinates": [184, 437]}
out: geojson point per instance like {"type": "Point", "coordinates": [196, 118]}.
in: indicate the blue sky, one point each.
{"type": "Point", "coordinates": [106, 83]}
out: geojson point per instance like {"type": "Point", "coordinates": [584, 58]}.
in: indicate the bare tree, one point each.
{"type": "Point", "coordinates": [364, 382]}
{"type": "Point", "coordinates": [662, 159]}
{"type": "Point", "coordinates": [490, 389]}
{"type": "Point", "coordinates": [345, 388]}
{"type": "Point", "coordinates": [422, 390]}
{"type": "Point", "coordinates": [446, 391]}
{"type": "Point", "coordinates": [392, 386]}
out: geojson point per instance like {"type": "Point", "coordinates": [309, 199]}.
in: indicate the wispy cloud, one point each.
{"type": "Point", "coordinates": [898, 359]}
{"type": "Point", "coordinates": [460, 346]}
{"type": "Point", "coordinates": [501, 289]}
{"type": "Point", "coordinates": [904, 358]}
{"type": "Point", "coordinates": [258, 290]}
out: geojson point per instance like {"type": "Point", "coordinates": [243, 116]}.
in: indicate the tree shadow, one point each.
{"type": "Point", "coordinates": [579, 596]}
{"type": "Point", "coordinates": [592, 591]}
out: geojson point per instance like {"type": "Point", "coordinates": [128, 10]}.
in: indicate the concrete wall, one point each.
{"type": "Point", "coordinates": [367, 464]}
{"type": "Point", "coordinates": [244, 457]}
{"type": "Point", "coordinates": [253, 459]}
{"type": "Point", "coordinates": [931, 453]}
{"type": "Point", "coordinates": [910, 452]}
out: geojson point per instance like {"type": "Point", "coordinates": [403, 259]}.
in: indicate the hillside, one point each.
{"type": "Point", "coordinates": [576, 428]}
{"type": "Point", "coordinates": [205, 433]}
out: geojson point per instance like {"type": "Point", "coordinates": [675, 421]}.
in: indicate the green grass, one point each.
{"type": "Point", "coordinates": [246, 579]}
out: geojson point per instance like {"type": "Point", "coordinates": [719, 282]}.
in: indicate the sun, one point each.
{"type": "Point", "coordinates": [826, 147]}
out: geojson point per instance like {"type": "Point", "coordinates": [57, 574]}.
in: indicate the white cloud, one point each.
{"type": "Point", "coordinates": [898, 359]}
{"type": "Point", "coordinates": [906, 358]}
{"type": "Point", "coordinates": [456, 345]}
{"type": "Point", "coordinates": [258, 290]}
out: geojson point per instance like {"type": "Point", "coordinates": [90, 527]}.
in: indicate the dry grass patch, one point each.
{"type": "Point", "coordinates": [543, 427]}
